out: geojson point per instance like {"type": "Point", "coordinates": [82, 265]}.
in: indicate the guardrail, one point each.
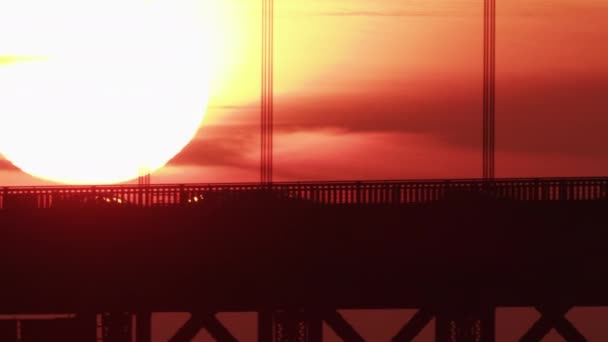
{"type": "Point", "coordinates": [330, 193]}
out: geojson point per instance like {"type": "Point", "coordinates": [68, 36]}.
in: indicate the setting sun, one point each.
{"type": "Point", "coordinates": [93, 91]}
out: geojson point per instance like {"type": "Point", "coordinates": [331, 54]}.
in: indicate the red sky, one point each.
{"type": "Point", "coordinates": [392, 89]}
{"type": "Point", "coordinates": [375, 91]}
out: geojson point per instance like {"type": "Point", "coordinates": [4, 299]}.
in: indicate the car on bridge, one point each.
{"type": "Point", "coordinates": [89, 200]}
{"type": "Point", "coordinates": [244, 198]}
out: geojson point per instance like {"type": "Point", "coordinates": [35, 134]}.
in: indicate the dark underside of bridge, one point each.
{"type": "Point", "coordinates": [456, 261]}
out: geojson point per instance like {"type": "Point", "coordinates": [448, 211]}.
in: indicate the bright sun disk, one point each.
{"type": "Point", "coordinates": [105, 88]}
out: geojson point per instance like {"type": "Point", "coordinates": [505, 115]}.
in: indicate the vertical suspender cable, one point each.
{"type": "Point", "coordinates": [267, 101]}
{"type": "Point", "coordinates": [263, 99]}
{"type": "Point", "coordinates": [489, 88]}
{"type": "Point", "coordinates": [486, 83]}
{"type": "Point", "coordinates": [271, 91]}
{"type": "Point", "coordinates": [493, 92]}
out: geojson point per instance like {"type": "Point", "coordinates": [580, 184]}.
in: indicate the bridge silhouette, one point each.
{"type": "Point", "coordinates": [398, 192]}
{"type": "Point", "coordinates": [297, 252]}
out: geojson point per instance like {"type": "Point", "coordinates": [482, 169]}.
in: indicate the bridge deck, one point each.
{"type": "Point", "coordinates": [246, 255]}
{"type": "Point", "coordinates": [345, 192]}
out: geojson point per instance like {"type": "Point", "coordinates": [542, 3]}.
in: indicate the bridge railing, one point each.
{"type": "Point", "coordinates": [329, 193]}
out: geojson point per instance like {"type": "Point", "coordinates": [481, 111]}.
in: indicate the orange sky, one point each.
{"type": "Point", "coordinates": [369, 89]}
{"type": "Point", "coordinates": [392, 89]}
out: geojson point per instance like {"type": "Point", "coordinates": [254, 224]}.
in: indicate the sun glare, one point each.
{"type": "Point", "coordinates": [99, 89]}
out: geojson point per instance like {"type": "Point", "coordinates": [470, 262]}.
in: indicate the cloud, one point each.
{"type": "Point", "coordinates": [362, 13]}
{"type": "Point", "coordinates": [550, 8]}
{"type": "Point", "coordinates": [412, 8]}
{"type": "Point", "coordinates": [6, 165]}
{"type": "Point", "coordinates": [555, 115]}
{"type": "Point", "coordinates": [230, 146]}
{"type": "Point", "coordinates": [588, 9]}
{"type": "Point", "coordinates": [537, 116]}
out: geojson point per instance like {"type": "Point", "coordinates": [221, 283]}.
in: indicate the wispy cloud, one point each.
{"type": "Point", "coordinates": [226, 146]}
{"type": "Point", "coordinates": [412, 8]}
{"type": "Point", "coordinates": [535, 115]}
{"type": "Point", "coordinates": [6, 165]}
{"type": "Point", "coordinates": [363, 13]}
{"type": "Point", "coordinates": [413, 13]}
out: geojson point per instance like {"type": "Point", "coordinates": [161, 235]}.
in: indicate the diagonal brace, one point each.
{"type": "Point", "coordinates": [414, 326]}
{"type": "Point", "coordinates": [200, 321]}
{"type": "Point", "coordinates": [341, 327]}
{"type": "Point", "coordinates": [553, 317]}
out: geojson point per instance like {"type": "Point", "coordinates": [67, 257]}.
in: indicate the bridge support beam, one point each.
{"type": "Point", "coordinates": [86, 326]}
{"type": "Point", "coordinates": [415, 326]}
{"type": "Point", "coordinates": [458, 325]}
{"type": "Point", "coordinates": [265, 326]}
{"type": "Point", "coordinates": [553, 318]}
{"type": "Point", "coordinates": [200, 321]}
{"type": "Point", "coordinates": [290, 326]}
{"type": "Point", "coordinates": [82, 327]}
{"type": "Point", "coordinates": [294, 326]}
{"type": "Point", "coordinates": [341, 327]}
{"type": "Point", "coordinates": [8, 330]}
{"type": "Point", "coordinates": [452, 325]}
{"type": "Point", "coordinates": [143, 327]}
{"type": "Point", "coordinates": [117, 327]}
